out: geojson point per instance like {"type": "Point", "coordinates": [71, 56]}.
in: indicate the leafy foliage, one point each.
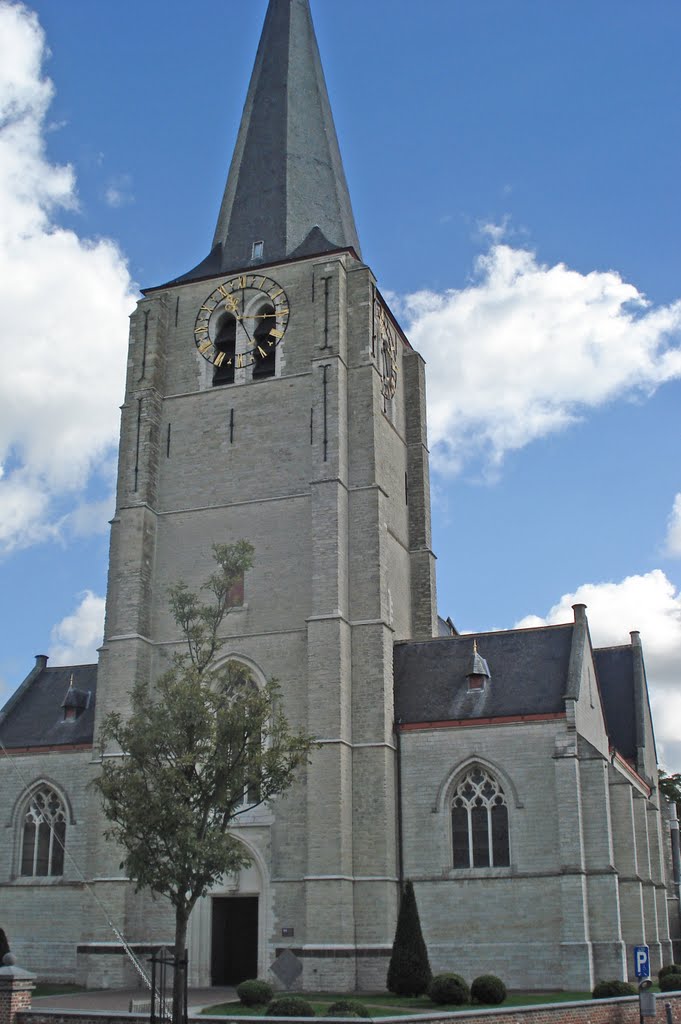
{"type": "Point", "coordinates": [199, 748]}
{"type": "Point", "coordinates": [669, 969]}
{"type": "Point", "coordinates": [4, 945]}
{"type": "Point", "coordinates": [409, 971]}
{"type": "Point", "coordinates": [255, 992]}
{"type": "Point", "coordinates": [449, 989]}
{"type": "Point", "coordinates": [610, 989]}
{"type": "Point", "coordinates": [290, 1006]}
{"type": "Point", "coordinates": [487, 988]}
{"type": "Point", "coordinates": [670, 787]}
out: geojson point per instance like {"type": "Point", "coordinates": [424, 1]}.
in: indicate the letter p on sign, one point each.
{"type": "Point", "coordinates": [641, 962]}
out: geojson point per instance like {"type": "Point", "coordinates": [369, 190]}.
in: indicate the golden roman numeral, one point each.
{"type": "Point", "coordinates": [239, 362]}
{"type": "Point", "coordinates": [205, 346]}
{"type": "Point", "coordinates": [276, 334]}
{"type": "Point", "coordinates": [219, 359]}
{"type": "Point", "coordinates": [262, 352]}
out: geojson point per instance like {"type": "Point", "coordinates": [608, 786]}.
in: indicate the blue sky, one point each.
{"type": "Point", "coordinates": [514, 172]}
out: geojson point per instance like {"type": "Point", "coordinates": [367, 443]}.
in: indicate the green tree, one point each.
{"type": "Point", "coordinates": [670, 787]}
{"type": "Point", "coordinates": [409, 972]}
{"type": "Point", "coordinates": [199, 747]}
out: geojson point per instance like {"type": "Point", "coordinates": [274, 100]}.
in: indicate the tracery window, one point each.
{"type": "Point", "coordinates": [44, 834]}
{"type": "Point", "coordinates": [479, 821]}
{"type": "Point", "coordinates": [244, 744]}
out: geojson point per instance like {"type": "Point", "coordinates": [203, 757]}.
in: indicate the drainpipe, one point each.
{"type": "Point", "coordinates": [400, 858]}
{"type": "Point", "coordinates": [676, 854]}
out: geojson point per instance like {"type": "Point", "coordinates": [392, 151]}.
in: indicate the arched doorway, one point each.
{"type": "Point", "coordinates": [227, 933]}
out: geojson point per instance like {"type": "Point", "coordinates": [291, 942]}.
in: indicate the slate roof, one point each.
{"type": "Point", "coordinates": [615, 670]}
{"type": "Point", "coordinates": [34, 716]}
{"type": "Point", "coordinates": [286, 185]}
{"type": "Point", "coordinates": [528, 669]}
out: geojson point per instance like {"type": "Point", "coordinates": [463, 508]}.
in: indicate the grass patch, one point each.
{"type": "Point", "coordinates": [388, 1005]}
{"type": "Point", "coordinates": [49, 989]}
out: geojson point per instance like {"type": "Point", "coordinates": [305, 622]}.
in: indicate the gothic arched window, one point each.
{"type": "Point", "coordinates": [225, 343]}
{"type": "Point", "coordinates": [479, 821]}
{"type": "Point", "coordinates": [245, 745]}
{"type": "Point", "coordinates": [265, 353]}
{"type": "Point", "coordinates": [44, 834]}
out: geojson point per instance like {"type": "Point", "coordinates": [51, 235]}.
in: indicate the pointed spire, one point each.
{"type": "Point", "coordinates": [286, 186]}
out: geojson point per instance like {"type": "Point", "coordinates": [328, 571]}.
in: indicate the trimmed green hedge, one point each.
{"type": "Point", "coordinates": [449, 989]}
{"type": "Point", "coordinates": [347, 1008]}
{"type": "Point", "coordinates": [608, 989]}
{"type": "Point", "coordinates": [488, 989]}
{"type": "Point", "coordinates": [255, 992]}
{"type": "Point", "coordinates": [670, 982]}
{"type": "Point", "coordinates": [290, 1006]}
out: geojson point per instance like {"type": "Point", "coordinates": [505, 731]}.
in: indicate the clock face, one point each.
{"type": "Point", "coordinates": [388, 340]}
{"type": "Point", "coordinates": [255, 304]}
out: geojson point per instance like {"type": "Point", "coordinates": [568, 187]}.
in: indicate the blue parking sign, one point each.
{"type": "Point", "coordinates": [641, 962]}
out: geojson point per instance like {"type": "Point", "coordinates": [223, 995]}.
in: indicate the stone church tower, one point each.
{"type": "Point", "coordinates": [512, 775]}
{"type": "Point", "coordinates": [272, 396]}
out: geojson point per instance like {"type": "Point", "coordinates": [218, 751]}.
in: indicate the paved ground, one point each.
{"type": "Point", "coordinates": [119, 999]}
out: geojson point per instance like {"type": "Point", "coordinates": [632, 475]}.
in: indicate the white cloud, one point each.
{"type": "Point", "coordinates": [64, 303]}
{"type": "Point", "coordinates": [526, 349]}
{"type": "Point", "coordinates": [673, 542]}
{"type": "Point", "coordinates": [74, 640]}
{"type": "Point", "coordinates": [651, 604]}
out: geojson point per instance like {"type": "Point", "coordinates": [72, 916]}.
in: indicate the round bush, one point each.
{"type": "Point", "coordinates": [670, 982]}
{"type": "Point", "coordinates": [290, 1006]}
{"type": "Point", "coordinates": [449, 989]}
{"type": "Point", "coordinates": [669, 969]}
{"type": "Point", "coordinates": [347, 1008]}
{"type": "Point", "coordinates": [608, 989]}
{"type": "Point", "coordinates": [255, 992]}
{"type": "Point", "coordinates": [488, 989]}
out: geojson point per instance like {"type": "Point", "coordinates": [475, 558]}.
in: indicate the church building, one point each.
{"type": "Point", "coordinates": [272, 396]}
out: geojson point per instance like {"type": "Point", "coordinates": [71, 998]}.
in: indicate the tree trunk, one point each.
{"type": "Point", "coordinates": [181, 918]}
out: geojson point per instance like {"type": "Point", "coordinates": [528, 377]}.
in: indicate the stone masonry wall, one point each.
{"type": "Point", "coordinates": [599, 1011]}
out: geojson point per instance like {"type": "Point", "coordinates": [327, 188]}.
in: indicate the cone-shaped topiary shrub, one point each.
{"type": "Point", "coordinates": [488, 989]}
{"type": "Point", "coordinates": [670, 982]}
{"type": "Point", "coordinates": [669, 969]}
{"type": "Point", "coordinates": [347, 1008]}
{"type": "Point", "coordinates": [4, 945]}
{"type": "Point", "coordinates": [409, 972]}
{"type": "Point", "coordinates": [608, 989]}
{"type": "Point", "coordinates": [255, 992]}
{"type": "Point", "coordinates": [449, 989]}
{"type": "Point", "coordinates": [290, 1006]}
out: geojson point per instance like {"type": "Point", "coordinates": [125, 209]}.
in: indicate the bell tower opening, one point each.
{"type": "Point", "coordinates": [265, 354]}
{"type": "Point", "coordinates": [225, 344]}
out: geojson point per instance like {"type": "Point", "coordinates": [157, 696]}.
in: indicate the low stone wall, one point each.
{"type": "Point", "coordinates": [624, 1010]}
